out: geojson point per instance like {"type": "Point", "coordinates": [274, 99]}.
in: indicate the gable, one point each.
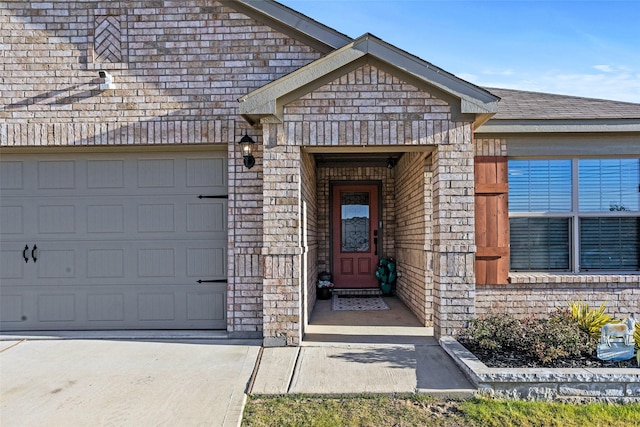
{"type": "Point", "coordinates": [368, 93]}
{"type": "Point", "coordinates": [468, 102]}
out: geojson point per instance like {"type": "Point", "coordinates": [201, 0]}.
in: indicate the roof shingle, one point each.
{"type": "Point", "coordinates": [524, 105]}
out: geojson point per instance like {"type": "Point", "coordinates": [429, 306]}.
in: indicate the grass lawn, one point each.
{"type": "Point", "coordinates": [416, 410]}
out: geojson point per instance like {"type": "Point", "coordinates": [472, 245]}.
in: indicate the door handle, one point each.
{"type": "Point", "coordinates": [24, 253]}
{"type": "Point", "coordinates": [34, 253]}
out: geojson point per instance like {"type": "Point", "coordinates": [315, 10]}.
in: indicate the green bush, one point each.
{"type": "Point", "coordinates": [544, 340]}
{"type": "Point", "coordinates": [495, 332]}
{"type": "Point", "coordinates": [555, 338]}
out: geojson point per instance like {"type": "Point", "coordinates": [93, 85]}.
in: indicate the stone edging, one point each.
{"type": "Point", "coordinates": [571, 384]}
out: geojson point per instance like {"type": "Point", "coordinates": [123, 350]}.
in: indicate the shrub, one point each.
{"type": "Point", "coordinates": [494, 332]}
{"type": "Point", "coordinates": [555, 338]}
{"type": "Point", "coordinates": [544, 340]}
{"type": "Point", "coordinates": [590, 320]}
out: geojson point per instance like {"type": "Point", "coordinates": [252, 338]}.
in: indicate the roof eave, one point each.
{"type": "Point", "coordinates": [283, 18]}
{"type": "Point", "coordinates": [522, 126]}
{"type": "Point", "coordinates": [267, 99]}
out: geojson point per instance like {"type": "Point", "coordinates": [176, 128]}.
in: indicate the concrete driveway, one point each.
{"type": "Point", "coordinates": [124, 383]}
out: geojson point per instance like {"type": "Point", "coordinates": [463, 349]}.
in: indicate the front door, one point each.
{"type": "Point", "coordinates": [355, 235]}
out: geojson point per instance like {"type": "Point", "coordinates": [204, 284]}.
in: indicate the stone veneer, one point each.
{"type": "Point", "coordinates": [620, 385]}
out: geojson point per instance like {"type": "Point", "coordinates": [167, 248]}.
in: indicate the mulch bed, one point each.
{"type": "Point", "coordinates": [494, 359]}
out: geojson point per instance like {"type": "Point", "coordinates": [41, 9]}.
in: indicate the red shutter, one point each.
{"type": "Point", "coordinates": [492, 220]}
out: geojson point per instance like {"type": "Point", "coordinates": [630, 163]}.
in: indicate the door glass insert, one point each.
{"type": "Point", "coordinates": [355, 221]}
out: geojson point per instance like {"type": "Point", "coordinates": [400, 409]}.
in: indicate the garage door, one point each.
{"type": "Point", "coordinates": [103, 241]}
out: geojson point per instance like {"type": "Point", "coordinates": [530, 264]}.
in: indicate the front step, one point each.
{"type": "Point", "coordinates": [358, 291]}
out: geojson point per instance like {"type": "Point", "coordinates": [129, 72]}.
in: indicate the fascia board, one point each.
{"type": "Point", "coordinates": [473, 100]}
{"type": "Point", "coordinates": [270, 93]}
{"type": "Point", "coordinates": [476, 99]}
{"type": "Point", "coordinates": [299, 22]}
{"type": "Point", "coordinates": [558, 126]}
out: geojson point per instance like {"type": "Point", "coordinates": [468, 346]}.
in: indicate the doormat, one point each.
{"type": "Point", "coordinates": [358, 303]}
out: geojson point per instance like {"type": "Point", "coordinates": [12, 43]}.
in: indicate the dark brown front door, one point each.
{"type": "Point", "coordinates": [355, 235]}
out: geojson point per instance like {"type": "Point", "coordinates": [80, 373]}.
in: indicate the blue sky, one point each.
{"type": "Point", "coordinates": [583, 48]}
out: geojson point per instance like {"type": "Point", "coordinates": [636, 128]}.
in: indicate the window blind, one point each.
{"type": "Point", "coordinates": [609, 243]}
{"type": "Point", "coordinates": [540, 185]}
{"type": "Point", "coordinates": [609, 185]}
{"type": "Point", "coordinates": [539, 244]}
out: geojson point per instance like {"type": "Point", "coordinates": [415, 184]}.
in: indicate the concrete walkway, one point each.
{"type": "Point", "coordinates": [361, 352]}
{"type": "Point", "coordinates": [80, 382]}
{"type": "Point", "coordinates": [339, 368]}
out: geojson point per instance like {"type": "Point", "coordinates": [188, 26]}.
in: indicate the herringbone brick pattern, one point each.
{"type": "Point", "coordinates": [107, 39]}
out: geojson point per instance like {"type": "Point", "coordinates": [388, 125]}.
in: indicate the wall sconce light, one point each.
{"type": "Point", "coordinates": [247, 146]}
{"type": "Point", "coordinates": [390, 163]}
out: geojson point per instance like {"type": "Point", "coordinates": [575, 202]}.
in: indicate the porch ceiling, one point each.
{"type": "Point", "coordinates": [356, 159]}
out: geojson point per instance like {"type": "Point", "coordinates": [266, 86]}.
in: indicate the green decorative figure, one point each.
{"type": "Point", "coordinates": [386, 274]}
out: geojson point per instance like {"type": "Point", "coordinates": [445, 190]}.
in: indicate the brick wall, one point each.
{"type": "Point", "coordinates": [453, 248]}
{"type": "Point", "coordinates": [490, 146]}
{"type": "Point", "coordinates": [309, 226]}
{"type": "Point", "coordinates": [178, 67]}
{"type": "Point", "coordinates": [185, 61]}
{"type": "Point", "coordinates": [413, 235]}
{"type": "Point", "coordinates": [367, 106]}
{"type": "Point", "coordinates": [540, 294]}
{"type": "Point", "coordinates": [282, 243]}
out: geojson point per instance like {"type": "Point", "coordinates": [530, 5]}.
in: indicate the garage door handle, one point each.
{"type": "Point", "coordinates": [24, 253]}
{"type": "Point", "coordinates": [213, 281]}
{"type": "Point", "coordinates": [213, 197]}
{"type": "Point", "coordinates": [34, 253]}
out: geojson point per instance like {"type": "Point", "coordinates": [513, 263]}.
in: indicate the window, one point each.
{"type": "Point", "coordinates": [574, 215]}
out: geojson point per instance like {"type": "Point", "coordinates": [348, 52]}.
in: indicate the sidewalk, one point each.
{"type": "Point", "coordinates": [338, 368]}
{"type": "Point", "coordinates": [361, 352]}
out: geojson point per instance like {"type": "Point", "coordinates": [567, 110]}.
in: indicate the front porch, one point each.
{"type": "Point", "coordinates": [425, 211]}
{"type": "Point", "coordinates": [398, 325]}
{"type": "Point", "coordinates": [367, 99]}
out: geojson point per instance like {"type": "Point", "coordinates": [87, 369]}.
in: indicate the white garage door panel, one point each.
{"type": "Point", "coordinates": [122, 242]}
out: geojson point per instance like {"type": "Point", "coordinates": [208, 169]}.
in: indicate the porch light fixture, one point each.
{"type": "Point", "coordinates": [247, 142]}
{"type": "Point", "coordinates": [390, 163]}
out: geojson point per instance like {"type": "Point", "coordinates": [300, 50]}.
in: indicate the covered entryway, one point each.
{"type": "Point", "coordinates": [107, 240]}
{"type": "Point", "coordinates": [369, 97]}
